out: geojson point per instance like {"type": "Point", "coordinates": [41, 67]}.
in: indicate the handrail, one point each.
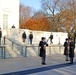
{"type": "Point", "coordinates": [39, 47]}
{"type": "Point", "coordinates": [46, 46]}
{"type": "Point", "coordinates": [14, 42]}
{"type": "Point", "coordinates": [50, 46]}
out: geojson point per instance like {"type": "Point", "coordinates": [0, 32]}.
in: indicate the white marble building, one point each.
{"type": "Point", "coordinates": [9, 13]}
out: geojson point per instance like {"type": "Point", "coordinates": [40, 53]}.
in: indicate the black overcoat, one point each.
{"type": "Point", "coordinates": [51, 37]}
{"type": "Point", "coordinates": [0, 34]}
{"type": "Point", "coordinates": [71, 50]}
{"type": "Point", "coordinates": [42, 49]}
{"type": "Point", "coordinates": [24, 35]}
{"type": "Point", "coordinates": [30, 36]}
{"type": "Point", "coordinates": [66, 48]}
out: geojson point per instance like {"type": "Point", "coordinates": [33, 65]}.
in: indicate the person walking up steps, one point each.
{"type": "Point", "coordinates": [51, 38]}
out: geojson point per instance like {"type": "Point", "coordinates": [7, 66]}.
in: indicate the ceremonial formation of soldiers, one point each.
{"type": "Point", "coordinates": [69, 46]}
{"type": "Point", "coordinates": [69, 49]}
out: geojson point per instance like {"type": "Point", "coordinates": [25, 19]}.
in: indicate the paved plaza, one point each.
{"type": "Point", "coordinates": [55, 65]}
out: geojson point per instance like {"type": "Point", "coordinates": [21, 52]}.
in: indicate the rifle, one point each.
{"type": "Point", "coordinates": [47, 40]}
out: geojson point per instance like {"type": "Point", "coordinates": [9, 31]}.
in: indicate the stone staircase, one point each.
{"type": "Point", "coordinates": [21, 49]}
{"type": "Point", "coordinates": [10, 53]}
{"type": "Point", "coordinates": [28, 50]}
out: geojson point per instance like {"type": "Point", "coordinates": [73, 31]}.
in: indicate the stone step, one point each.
{"type": "Point", "coordinates": [12, 53]}
{"type": "Point", "coordinates": [32, 50]}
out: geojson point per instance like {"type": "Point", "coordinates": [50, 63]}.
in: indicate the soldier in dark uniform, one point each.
{"type": "Point", "coordinates": [42, 45]}
{"type": "Point", "coordinates": [0, 35]}
{"type": "Point", "coordinates": [74, 35]}
{"type": "Point", "coordinates": [66, 45]}
{"type": "Point", "coordinates": [71, 51]}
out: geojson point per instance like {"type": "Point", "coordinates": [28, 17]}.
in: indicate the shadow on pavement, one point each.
{"type": "Point", "coordinates": [37, 70]}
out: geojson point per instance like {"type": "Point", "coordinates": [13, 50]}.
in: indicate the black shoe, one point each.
{"type": "Point", "coordinates": [70, 63]}
{"type": "Point", "coordinates": [43, 63]}
{"type": "Point", "coordinates": [66, 60]}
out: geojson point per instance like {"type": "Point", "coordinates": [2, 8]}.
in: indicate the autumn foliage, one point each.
{"type": "Point", "coordinates": [57, 15]}
{"type": "Point", "coordinates": [39, 23]}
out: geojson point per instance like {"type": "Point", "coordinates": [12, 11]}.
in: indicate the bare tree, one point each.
{"type": "Point", "coordinates": [39, 13]}
{"type": "Point", "coordinates": [55, 10]}
{"type": "Point", "coordinates": [25, 13]}
{"type": "Point", "coordinates": [51, 8]}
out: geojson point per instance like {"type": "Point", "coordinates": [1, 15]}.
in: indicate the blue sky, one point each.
{"type": "Point", "coordinates": [32, 3]}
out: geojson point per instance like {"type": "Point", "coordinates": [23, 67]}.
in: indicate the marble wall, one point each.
{"type": "Point", "coordinates": [58, 37]}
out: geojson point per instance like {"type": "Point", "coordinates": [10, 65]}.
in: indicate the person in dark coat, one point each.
{"type": "Point", "coordinates": [0, 35]}
{"type": "Point", "coordinates": [13, 26]}
{"type": "Point", "coordinates": [24, 36]}
{"type": "Point", "coordinates": [30, 37]}
{"type": "Point", "coordinates": [51, 38]}
{"type": "Point", "coordinates": [66, 45]}
{"type": "Point", "coordinates": [42, 45]}
{"type": "Point", "coordinates": [71, 51]}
